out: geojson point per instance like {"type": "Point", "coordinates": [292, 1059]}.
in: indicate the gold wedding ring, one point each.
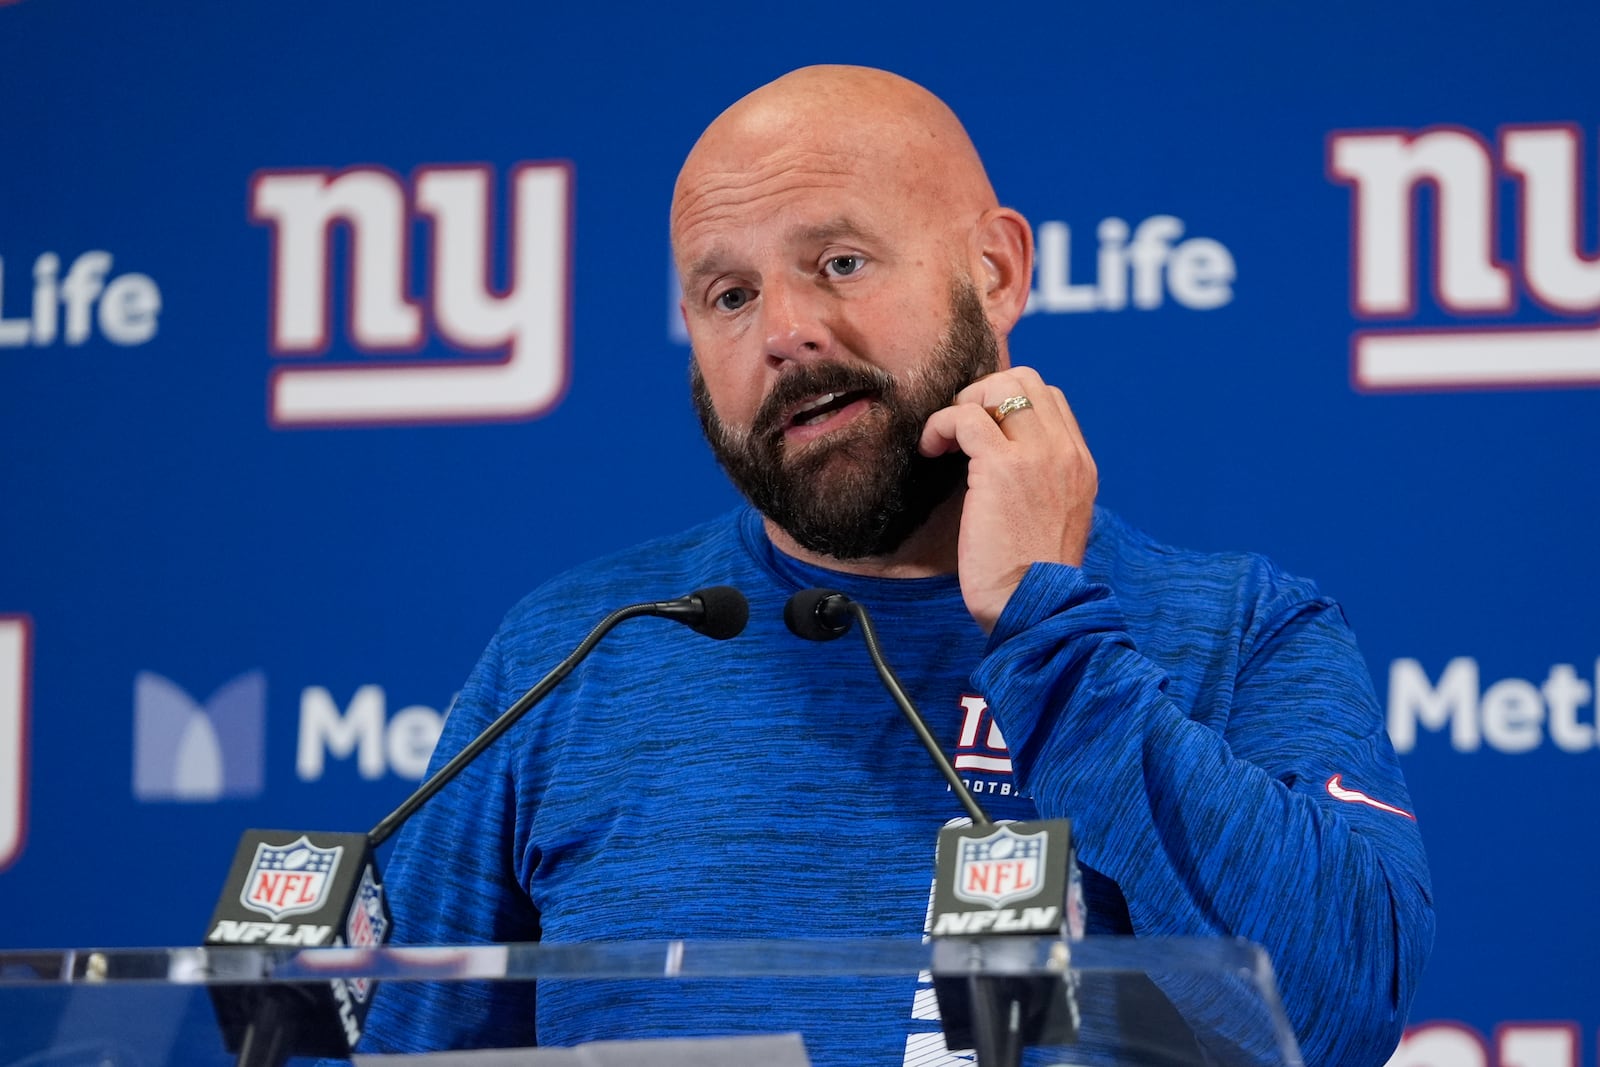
{"type": "Point", "coordinates": [1008, 405]}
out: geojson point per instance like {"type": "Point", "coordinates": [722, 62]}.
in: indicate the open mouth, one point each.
{"type": "Point", "coordinates": [820, 409]}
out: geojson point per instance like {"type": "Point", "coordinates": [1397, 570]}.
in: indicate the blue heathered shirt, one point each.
{"type": "Point", "coordinates": [1186, 711]}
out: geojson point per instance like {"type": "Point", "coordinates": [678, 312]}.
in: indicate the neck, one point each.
{"type": "Point", "coordinates": [929, 551]}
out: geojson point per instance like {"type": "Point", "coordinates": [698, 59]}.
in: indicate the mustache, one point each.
{"type": "Point", "coordinates": [813, 380]}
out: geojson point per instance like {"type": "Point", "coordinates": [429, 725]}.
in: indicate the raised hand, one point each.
{"type": "Point", "coordinates": [1031, 483]}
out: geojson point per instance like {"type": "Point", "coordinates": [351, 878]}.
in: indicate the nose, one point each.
{"type": "Point", "coordinates": [794, 317]}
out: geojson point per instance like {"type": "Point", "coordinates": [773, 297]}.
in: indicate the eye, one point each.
{"type": "Point", "coordinates": [842, 266]}
{"type": "Point", "coordinates": [733, 299]}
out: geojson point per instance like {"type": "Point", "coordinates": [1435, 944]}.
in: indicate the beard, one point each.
{"type": "Point", "coordinates": [860, 491]}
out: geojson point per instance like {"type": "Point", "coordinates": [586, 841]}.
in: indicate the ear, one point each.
{"type": "Point", "coordinates": [1002, 265]}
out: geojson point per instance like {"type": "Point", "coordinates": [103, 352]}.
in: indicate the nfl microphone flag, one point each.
{"type": "Point", "coordinates": [1006, 878]}
{"type": "Point", "coordinates": [292, 889]}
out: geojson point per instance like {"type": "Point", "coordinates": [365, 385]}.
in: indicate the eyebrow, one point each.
{"type": "Point", "coordinates": [833, 230]}
{"type": "Point", "coordinates": [839, 228]}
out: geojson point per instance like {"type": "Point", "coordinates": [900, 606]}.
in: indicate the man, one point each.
{"type": "Point", "coordinates": [849, 282]}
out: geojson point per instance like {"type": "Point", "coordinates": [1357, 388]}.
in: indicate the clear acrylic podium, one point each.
{"type": "Point", "coordinates": [1145, 1002]}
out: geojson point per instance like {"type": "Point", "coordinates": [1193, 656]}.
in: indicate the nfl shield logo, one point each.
{"type": "Point", "coordinates": [289, 879]}
{"type": "Point", "coordinates": [368, 926]}
{"type": "Point", "coordinates": [1000, 868]}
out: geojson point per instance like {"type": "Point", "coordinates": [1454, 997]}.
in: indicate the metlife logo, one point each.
{"type": "Point", "coordinates": [1509, 715]}
{"type": "Point", "coordinates": [514, 340]}
{"type": "Point", "coordinates": [1140, 268]}
{"type": "Point", "coordinates": [1534, 170]}
{"type": "Point", "coordinates": [381, 743]}
{"type": "Point", "coordinates": [74, 306]}
{"type": "Point", "coordinates": [186, 751]}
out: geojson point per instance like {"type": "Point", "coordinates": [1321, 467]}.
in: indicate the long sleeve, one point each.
{"type": "Point", "coordinates": [1258, 811]}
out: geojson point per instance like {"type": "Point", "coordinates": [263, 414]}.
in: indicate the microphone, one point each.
{"type": "Point", "coordinates": [328, 882]}
{"type": "Point", "coordinates": [822, 615]}
{"type": "Point", "coordinates": [818, 614]}
{"type": "Point", "coordinates": [1014, 879]}
{"type": "Point", "coordinates": [288, 889]}
{"type": "Point", "coordinates": [719, 612]}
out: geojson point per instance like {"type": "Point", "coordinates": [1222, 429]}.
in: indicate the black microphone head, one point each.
{"type": "Point", "coordinates": [723, 612]}
{"type": "Point", "coordinates": [817, 614]}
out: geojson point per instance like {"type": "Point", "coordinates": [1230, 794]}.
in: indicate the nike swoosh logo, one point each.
{"type": "Point", "coordinates": [1337, 791]}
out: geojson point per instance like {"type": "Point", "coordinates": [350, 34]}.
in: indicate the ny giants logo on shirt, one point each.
{"type": "Point", "coordinates": [514, 339]}
{"type": "Point", "coordinates": [1532, 170]}
{"type": "Point", "coordinates": [979, 746]}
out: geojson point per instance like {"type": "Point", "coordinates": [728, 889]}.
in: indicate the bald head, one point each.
{"type": "Point", "coordinates": [832, 122]}
{"type": "Point", "coordinates": [833, 211]}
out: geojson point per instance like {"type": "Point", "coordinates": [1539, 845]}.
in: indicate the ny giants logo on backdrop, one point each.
{"type": "Point", "coordinates": [1536, 171]}
{"type": "Point", "coordinates": [386, 368]}
{"type": "Point", "coordinates": [1545, 1043]}
{"type": "Point", "coordinates": [16, 669]}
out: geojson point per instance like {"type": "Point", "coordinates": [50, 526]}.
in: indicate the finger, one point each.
{"type": "Point", "coordinates": [965, 427]}
{"type": "Point", "coordinates": [1018, 379]}
{"type": "Point", "coordinates": [1035, 388]}
{"type": "Point", "coordinates": [1059, 399]}
{"type": "Point", "coordinates": [1014, 405]}
{"type": "Point", "coordinates": [1069, 420]}
{"type": "Point", "coordinates": [1044, 395]}
{"type": "Point", "coordinates": [994, 390]}
{"type": "Point", "coordinates": [1028, 411]}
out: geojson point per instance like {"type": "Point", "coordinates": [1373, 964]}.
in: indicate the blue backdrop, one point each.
{"type": "Point", "coordinates": [1319, 282]}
